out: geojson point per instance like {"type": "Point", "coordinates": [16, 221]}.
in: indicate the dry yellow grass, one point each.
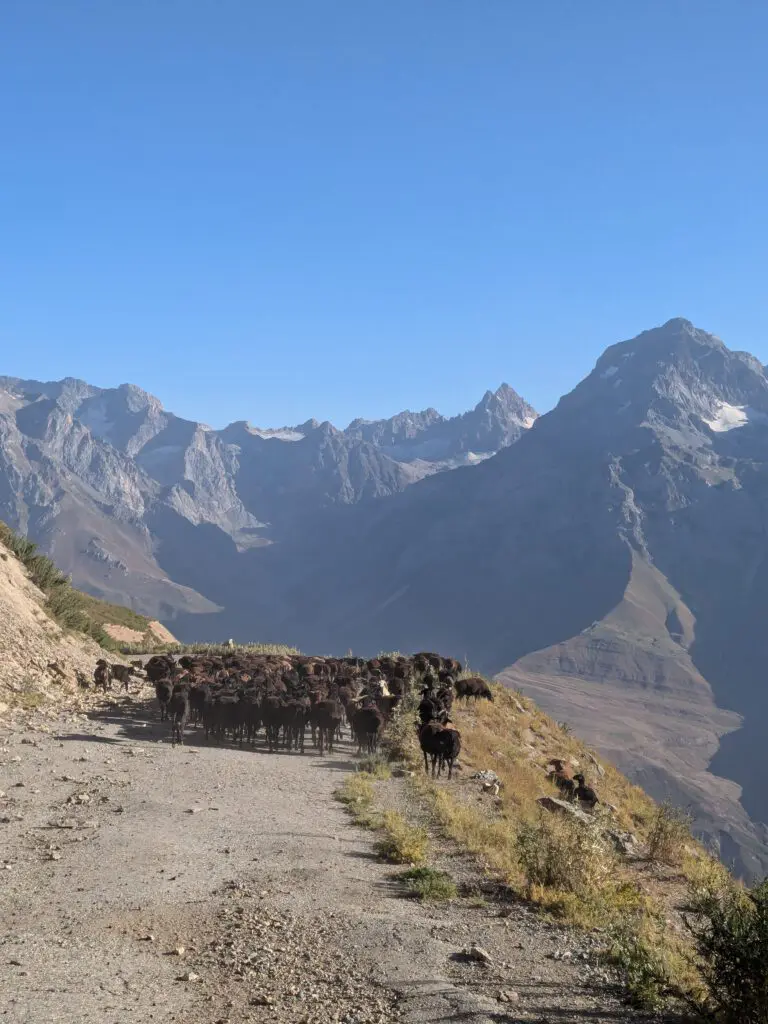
{"type": "Point", "coordinates": [401, 842]}
{"type": "Point", "coordinates": [570, 871]}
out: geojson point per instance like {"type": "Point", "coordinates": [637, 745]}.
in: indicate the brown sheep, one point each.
{"type": "Point", "coordinates": [473, 687]}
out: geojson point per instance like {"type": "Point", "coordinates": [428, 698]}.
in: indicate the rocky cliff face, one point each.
{"type": "Point", "coordinates": [123, 493]}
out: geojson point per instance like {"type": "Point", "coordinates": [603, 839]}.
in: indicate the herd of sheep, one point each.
{"type": "Point", "coordinates": [234, 696]}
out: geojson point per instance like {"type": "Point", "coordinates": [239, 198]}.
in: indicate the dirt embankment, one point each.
{"type": "Point", "coordinates": [37, 658]}
{"type": "Point", "coordinates": [125, 635]}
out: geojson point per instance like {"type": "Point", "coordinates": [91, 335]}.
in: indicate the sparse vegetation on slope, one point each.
{"type": "Point", "coordinates": [69, 608]}
{"type": "Point", "coordinates": [72, 609]}
{"type": "Point", "coordinates": [102, 613]}
{"type": "Point", "coordinates": [41, 653]}
{"type": "Point", "coordinates": [628, 868]}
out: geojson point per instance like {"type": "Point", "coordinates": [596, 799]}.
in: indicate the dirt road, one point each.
{"type": "Point", "coordinates": [204, 884]}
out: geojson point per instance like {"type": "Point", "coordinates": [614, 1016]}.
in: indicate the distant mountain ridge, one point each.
{"type": "Point", "coordinates": [107, 480]}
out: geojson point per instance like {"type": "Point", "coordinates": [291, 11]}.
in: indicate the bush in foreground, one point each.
{"type": "Point", "coordinates": [564, 855]}
{"type": "Point", "coordinates": [729, 927]}
{"type": "Point", "coordinates": [429, 884]}
{"type": "Point", "coordinates": [669, 834]}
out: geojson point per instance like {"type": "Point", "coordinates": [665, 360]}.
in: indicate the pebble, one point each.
{"type": "Point", "coordinates": [477, 953]}
{"type": "Point", "coordinates": [508, 996]}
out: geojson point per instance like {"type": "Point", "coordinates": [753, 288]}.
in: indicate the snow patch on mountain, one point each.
{"type": "Point", "coordinates": [731, 417]}
{"type": "Point", "coordinates": [277, 435]}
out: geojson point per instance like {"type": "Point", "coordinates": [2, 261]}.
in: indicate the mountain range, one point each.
{"type": "Point", "coordinates": [113, 486]}
{"type": "Point", "coordinates": [610, 557]}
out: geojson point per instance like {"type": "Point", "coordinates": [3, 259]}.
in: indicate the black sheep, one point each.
{"type": "Point", "coordinates": [163, 691]}
{"type": "Point", "coordinates": [367, 724]}
{"type": "Point", "coordinates": [584, 793]}
{"type": "Point", "coordinates": [178, 709]}
{"type": "Point", "coordinates": [440, 743]}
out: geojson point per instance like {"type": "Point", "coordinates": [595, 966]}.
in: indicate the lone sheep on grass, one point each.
{"type": "Point", "coordinates": [473, 687]}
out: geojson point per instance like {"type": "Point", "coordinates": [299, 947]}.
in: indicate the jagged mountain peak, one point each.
{"type": "Point", "coordinates": [676, 375]}
{"type": "Point", "coordinates": [507, 400]}
{"type": "Point", "coordinates": [137, 399]}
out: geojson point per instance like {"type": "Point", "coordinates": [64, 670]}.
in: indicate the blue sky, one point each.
{"type": "Point", "coordinates": [268, 211]}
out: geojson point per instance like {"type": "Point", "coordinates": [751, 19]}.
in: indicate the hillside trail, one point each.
{"type": "Point", "coordinates": [205, 884]}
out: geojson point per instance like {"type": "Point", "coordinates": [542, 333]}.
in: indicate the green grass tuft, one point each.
{"type": "Point", "coordinates": [430, 884]}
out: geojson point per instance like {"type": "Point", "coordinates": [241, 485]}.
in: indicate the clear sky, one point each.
{"type": "Point", "coordinates": [275, 210]}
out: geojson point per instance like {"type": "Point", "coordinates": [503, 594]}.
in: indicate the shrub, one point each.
{"type": "Point", "coordinates": [357, 789]}
{"type": "Point", "coordinates": [374, 766]}
{"type": "Point", "coordinates": [402, 843]}
{"type": "Point", "coordinates": [640, 958]}
{"type": "Point", "coordinates": [429, 884]}
{"type": "Point", "coordinates": [563, 854]}
{"type": "Point", "coordinates": [729, 927]}
{"type": "Point", "coordinates": [400, 738]}
{"type": "Point", "coordinates": [669, 834]}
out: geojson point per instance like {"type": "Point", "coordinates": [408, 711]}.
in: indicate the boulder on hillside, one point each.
{"type": "Point", "coordinates": [551, 803]}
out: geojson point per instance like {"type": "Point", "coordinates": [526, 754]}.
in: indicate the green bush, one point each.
{"type": "Point", "coordinates": [641, 964]}
{"type": "Point", "coordinates": [563, 854]}
{"type": "Point", "coordinates": [669, 834]}
{"type": "Point", "coordinates": [400, 738]}
{"type": "Point", "coordinates": [729, 927]}
{"type": "Point", "coordinates": [430, 884]}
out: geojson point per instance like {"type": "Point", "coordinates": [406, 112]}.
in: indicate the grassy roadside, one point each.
{"type": "Point", "coordinates": [633, 871]}
{"type": "Point", "coordinates": [398, 842]}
